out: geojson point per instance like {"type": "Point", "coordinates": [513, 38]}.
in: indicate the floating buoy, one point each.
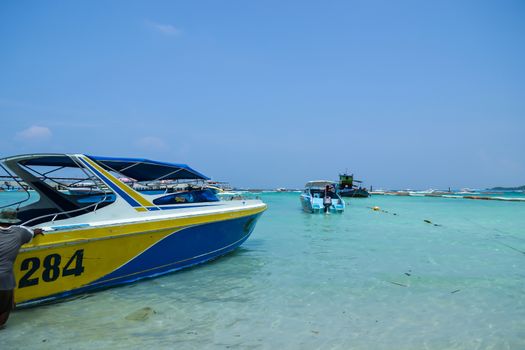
{"type": "Point", "coordinates": [376, 208]}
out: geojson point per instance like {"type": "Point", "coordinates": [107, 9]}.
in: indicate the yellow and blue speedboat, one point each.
{"type": "Point", "coordinates": [101, 232]}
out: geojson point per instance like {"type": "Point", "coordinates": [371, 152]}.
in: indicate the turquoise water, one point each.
{"type": "Point", "coordinates": [361, 280]}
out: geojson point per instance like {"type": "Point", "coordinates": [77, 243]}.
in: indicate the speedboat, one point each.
{"type": "Point", "coordinates": [313, 194]}
{"type": "Point", "coordinates": [115, 234]}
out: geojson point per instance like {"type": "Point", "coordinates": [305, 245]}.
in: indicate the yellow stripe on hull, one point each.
{"type": "Point", "coordinates": [128, 190]}
{"type": "Point", "coordinates": [74, 236]}
{"type": "Point", "coordinates": [100, 257]}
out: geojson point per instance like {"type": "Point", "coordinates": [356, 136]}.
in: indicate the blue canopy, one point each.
{"type": "Point", "coordinates": [142, 169]}
{"type": "Point", "coordinates": [139, 169]}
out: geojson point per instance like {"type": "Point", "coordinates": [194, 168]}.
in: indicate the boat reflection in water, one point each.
{"type": "Point", "coordinates": [114, 234]}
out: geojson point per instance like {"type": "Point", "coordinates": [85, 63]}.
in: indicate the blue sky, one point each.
{"type": "Point", "coordinates": [405, 94]}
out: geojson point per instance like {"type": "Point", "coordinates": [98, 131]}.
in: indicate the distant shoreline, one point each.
{"type": "Point", "coordinates": [520, 188]}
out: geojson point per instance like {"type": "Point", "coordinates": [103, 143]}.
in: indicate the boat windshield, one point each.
{"type": "Point", "coordinates": [54, 187]}
{"type": "Point", "coordinates": [319, 193]}
{"type": "Point", "coordinates": [191, 196]}
{"type": "Point", "coordinates": [47, 192]}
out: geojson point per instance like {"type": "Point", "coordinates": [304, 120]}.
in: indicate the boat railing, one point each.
{"type": "Point", "coordinates": [56, 180]}
{"type": "Point", "coordinates": [18, 181]}
{"type": "Point", "coordinates": [56, 215]}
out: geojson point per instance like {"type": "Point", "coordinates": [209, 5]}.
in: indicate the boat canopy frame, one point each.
{"type": "Point", "coordinates": [139, 169]}
{"type": "Point", "coordinates": [54, 204]}
{"type": "Point", "coordinates": [51, 203]}
{"type": "Point", "coordinates": [142, 169]}
{"type": "Point", "coordinates": [319, 184]}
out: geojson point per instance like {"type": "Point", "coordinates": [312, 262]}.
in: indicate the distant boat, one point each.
{"type": "Point", "coordinates": [348, 189]}
{"type": "Point", "coordinates": [219, 187]}
{"type": "Point", "coordinates": [398, 193]}
{"type": "Point", "coordinates": [467, 191]}
{"type": "Point", "coordinates": [378, 191]}
{"type": "Point", "coordinates": [429, 192]}
{"type": "Point", "coordinates": [313, 195]}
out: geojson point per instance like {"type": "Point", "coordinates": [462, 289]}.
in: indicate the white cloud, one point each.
{"type": "Point", "coordinates": [152, 143]}
{"type": "Point", "coordinates": [35, 133]}
{"type": "Point", "coordinates": [166, 29]}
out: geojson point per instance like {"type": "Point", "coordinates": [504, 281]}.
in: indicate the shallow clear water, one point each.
{"type": "Point", "coordinates": [361, 280]}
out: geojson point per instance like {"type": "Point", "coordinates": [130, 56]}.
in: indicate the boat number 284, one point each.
{"type": "Point", "coordinates": [51, 268]}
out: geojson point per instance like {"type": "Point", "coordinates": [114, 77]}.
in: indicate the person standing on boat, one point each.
{"type": "Point", "coordinates": [12, 237]}
{"type": "Point", "coordinates": [327, 200]}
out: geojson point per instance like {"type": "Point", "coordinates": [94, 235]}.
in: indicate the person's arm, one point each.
{"type": "Point", "coordinates": [38, 231]}
{"type": "Point", "coordinates": [29, 233]}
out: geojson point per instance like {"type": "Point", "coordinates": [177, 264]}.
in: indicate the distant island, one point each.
{"type": "Point", "coordinates": [520, 188]}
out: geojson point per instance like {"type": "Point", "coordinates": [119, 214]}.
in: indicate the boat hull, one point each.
{"type": "Point", "coordinates": [306, 204]}
{"type": "Point", "coordinates": [90, 259]}
{"type": "Point", "coordinates": [354, 192]}
{"type": "Point", "coordinates": [315, 205]}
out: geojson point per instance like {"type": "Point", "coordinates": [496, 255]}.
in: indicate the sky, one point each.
{"type": "Point", "coordinates": [266, 94]}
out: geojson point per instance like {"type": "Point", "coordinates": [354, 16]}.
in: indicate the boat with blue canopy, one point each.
{"type": "Point", "coordinates": [101, 231]}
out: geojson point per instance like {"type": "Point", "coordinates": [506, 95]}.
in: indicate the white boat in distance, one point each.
{"type": "Point", "coordinates": [313, 194]}
{"type": "Point", "coordinates": [468, 191]}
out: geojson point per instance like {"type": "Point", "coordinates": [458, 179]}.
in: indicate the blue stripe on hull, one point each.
{"type": "Point", "coordinates": [184, 248]}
